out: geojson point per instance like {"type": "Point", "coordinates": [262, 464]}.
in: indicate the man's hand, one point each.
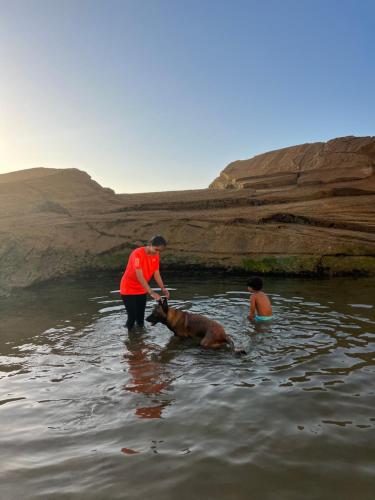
{"type": "Point", "coordinates": [250, 317]}
{"type": "Point", "coordinates": [165, 292]}
{"type": "Point", "coordinates": [155, 295]}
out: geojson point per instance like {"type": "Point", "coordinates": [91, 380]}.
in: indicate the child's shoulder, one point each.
{"type": "Point", "coordinates": [267, 296]}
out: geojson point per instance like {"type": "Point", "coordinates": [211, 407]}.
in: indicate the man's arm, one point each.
{"type": "Point", "coordinates": [159, 281]}
{"type": "Point", "coordinates": [252, 308]}
{"type": "Point", "coordinates": [145, 285]}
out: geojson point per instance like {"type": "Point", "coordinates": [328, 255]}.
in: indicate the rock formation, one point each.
{"type": "Point", "coordinates": [339, 160]}
{"type": "Point", "coordinates": [303, 210]}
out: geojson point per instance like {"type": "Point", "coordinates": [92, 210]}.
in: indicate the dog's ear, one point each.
{"type": "Point", "coordinates": [164, 304]}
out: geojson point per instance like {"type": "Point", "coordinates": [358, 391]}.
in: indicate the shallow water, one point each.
{"type": "Point", "coordinates": [87, 411]}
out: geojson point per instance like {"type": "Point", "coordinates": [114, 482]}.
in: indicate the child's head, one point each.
{"type": "Point", "coordinates": [255, 283]}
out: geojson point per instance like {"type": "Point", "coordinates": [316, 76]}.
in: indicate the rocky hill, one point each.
{"type": "Point", "coordinates": [339, 160]}
{"type": "Point", "coordinates": [303, 210]}
{"type": "Point", "coordinates": [49, 190]}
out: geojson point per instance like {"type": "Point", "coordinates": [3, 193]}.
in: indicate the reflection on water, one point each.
{"type": "Point", "coordinates": [86, 409]}
{"type": "Point", "coordinates": [148, 377]}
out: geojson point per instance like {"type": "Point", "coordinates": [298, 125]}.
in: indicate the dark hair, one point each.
{"type": "Point", "coordinates": [158, 241]}
{"type": "Point", "coordinates": [255, 283]}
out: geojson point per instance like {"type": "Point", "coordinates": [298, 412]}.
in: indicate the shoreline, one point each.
{"type": "Point", "coordinates": [185, 271]}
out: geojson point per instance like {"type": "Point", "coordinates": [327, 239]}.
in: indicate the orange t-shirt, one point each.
{"type": "Point", "coordinates": [138, 259]}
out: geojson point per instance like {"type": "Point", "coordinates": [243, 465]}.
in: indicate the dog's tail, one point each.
{"type": "Point", "coordinates": [233, 348]}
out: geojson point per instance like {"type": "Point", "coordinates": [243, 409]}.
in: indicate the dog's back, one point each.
{"type": "Point", "coordinates": [195, 325]}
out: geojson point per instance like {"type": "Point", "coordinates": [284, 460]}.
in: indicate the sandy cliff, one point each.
{"type": "Point", "coordinates": [305, 209]}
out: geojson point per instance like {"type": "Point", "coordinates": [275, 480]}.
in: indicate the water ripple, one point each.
{"type": "Point", "coordinates": [78, 393]}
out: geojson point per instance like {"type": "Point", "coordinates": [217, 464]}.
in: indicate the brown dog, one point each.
{"type": "Point", "coordinates": [186, 324]}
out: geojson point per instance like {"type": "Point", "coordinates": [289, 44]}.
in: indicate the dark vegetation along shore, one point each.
{"type": "Point", "coordinates": [306, 209]}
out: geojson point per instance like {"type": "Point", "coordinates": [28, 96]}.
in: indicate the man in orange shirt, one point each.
{"type": "Point", "coordinates": [143, 263]}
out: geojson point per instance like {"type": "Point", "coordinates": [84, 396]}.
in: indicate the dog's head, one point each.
{"type": "Point", "coordinates": [159, 313]}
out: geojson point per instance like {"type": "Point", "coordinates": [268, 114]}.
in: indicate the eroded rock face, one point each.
{"type": "Point", "coordinates": [343, 159]}
{"type": "Point", "coordinates": [58, 222]}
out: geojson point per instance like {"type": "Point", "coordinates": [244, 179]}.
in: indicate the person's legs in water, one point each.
{"type": "Point", "coordinates": [140, 309]}
{"type": "Point", "coordinates": [130, 303]}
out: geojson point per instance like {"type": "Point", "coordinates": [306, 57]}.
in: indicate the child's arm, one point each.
{"type": "Point", "coordinates": [252, 308]}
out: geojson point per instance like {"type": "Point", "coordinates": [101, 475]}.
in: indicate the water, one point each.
{"type": "Point", "coordinates": [87, 412]}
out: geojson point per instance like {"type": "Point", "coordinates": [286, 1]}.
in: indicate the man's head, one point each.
{"type": "Point", "coordinates": [157, 244]}
{"type": "Point", "coordinates": [159, 313]}
{"type": "Point", "coordinates": [255, 283]}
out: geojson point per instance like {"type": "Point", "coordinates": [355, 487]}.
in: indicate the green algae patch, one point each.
{"type": "Point", "coordinates": [184, 262]}
{"type": "Point", "coordinates": [281, 265]}
{"type": "Point", "coordinates": [348, 264]}
{"type": "Point", "coordinates": [330, 265]}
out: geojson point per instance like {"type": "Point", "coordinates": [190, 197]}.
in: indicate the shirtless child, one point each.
{"type": "Point", "coordinates": [260, 304]}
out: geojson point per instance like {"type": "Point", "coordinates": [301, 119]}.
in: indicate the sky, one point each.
{"type": "Point", "coordinates": [160, 95]}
